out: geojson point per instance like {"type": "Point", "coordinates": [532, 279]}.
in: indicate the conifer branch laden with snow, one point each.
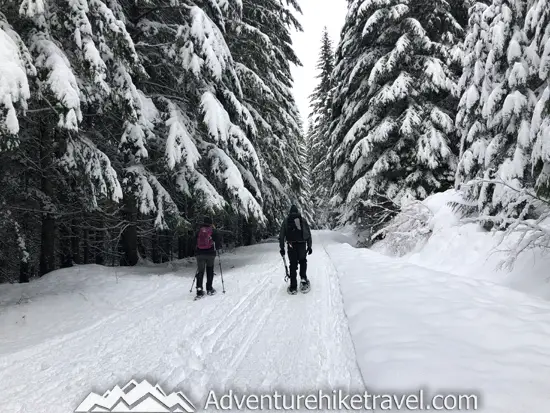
{"type": "Point", "coordinates": [408, 229]}
{"type": "Point", "coordinates": [391, 132]}
{"type": "Point", "coordinates": [538, 56]}
{"type": "Point", "coordinates": [14, 83]}
{"type": "Point", "coordinates": [519, 232]}
{"type": "Point", "coordinates": [502, 118]}
{"type": "Point", "coordinates": [261, 46]}
{"type": "Point", "coordinates": [149, 114]}
{"type": "Point", "coordinates": [497, 106]}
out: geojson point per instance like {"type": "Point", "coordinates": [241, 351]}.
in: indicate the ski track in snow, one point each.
{"type": "Point", "coordinates": [255, 338]}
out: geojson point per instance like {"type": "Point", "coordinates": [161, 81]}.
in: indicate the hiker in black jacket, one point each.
{"type": "Point", "coordinates": [295, 231]}
{"type": "Point", "coordinates": [207, 241]}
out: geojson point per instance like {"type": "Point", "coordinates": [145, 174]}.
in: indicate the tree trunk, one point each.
{"type": "Point", "coordinates": [47, 245]}
{"type": "Point", "coordinates": [100, 247]}
{"type": "Point", "coordinates": [75, 241]}
{"type": "Point", "coordinates": [129, 236]}
{"type": "Point", "coordinates": [66, 256]}
{"type": "Point", "coordinates": [86, 252]}
{"type": "Point", "coordinates": [47, 237]}
{"type": "Point", "coordinates": [155, 248]}
{"type": "Point", "coordinates": [166, 246]}
{"type": "Point", "coordinates": [181, 247]}
{"type": "Point", "coordinates": [24, 266]}
{"type": "Point", "coordinates": [24, 276]}
{"type": "Point", "coordinates": [190, 244]}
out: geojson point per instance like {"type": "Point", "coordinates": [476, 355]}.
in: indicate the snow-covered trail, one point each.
{"type": "Point", "coordinates": [91, 328]}
{"type": "Point", "coordinates": [78, 331]}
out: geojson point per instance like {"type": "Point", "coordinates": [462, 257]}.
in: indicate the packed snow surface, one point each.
{"type": "Point", "coordinates": [370, 322]}
{"type": "Point", "coordinates": [91, 328]}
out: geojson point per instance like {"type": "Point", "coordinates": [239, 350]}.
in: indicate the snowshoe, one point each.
{"type": "Point", "coordinates": [211, 292]}
{"type": "Point", "coordinates": [200, 294]}
{"type": "Point", "coordinates": [292, 291]}
{"type": "Point", "coordinates": [305, 287]}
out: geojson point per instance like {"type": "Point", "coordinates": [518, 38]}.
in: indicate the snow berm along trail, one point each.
{"type": "Point", "coordinates": [368, 322]}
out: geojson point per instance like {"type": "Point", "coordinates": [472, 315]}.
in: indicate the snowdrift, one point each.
{"type": "Point", "coordinates": [420, 329]}
{"type": "Point", "coordinates": [440, 240]}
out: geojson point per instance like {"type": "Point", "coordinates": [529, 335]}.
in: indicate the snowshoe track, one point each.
{"type": "Point", "coordinates": [255, 338]}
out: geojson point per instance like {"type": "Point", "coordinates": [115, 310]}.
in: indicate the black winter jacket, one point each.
{"type": "Point", "coordinates": [306, 232]}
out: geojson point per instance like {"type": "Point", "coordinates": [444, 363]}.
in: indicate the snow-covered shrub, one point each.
{"type": "Point", "coordinates": [409, 230]}
{"type": "Point", "coordinates": [529, 230]}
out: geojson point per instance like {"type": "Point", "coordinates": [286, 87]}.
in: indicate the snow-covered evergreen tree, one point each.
{"type": "Point", "coordinates": [84, 59]}
{"type": "Point", "coordinates": [317, 136]}
{"type": "Point", "coordinates": [496, 108]}
{"type": "Point", "coordinates": [70, 50]}
{"type": "Point", "coordinates": [392, 131]}
{"type": "Point", "coordinates": [201, 128]}
{"type": "Point", "coordinates": [472, 85]}
{"type": "Point", "coordinates": [137, 118]}
{"type": "Point", "coordinates": [460, 11]}
{"type": "Point", "coordinates": [262, 47]}
{"type": "Point", "coordinates": [537, 26]}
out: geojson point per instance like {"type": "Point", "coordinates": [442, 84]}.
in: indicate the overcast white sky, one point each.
{"type": "Point", "coordinates": [315, 15]}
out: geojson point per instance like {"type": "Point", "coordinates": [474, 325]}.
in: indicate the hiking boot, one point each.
{"type": "Point", "coordinates": [292, 290]}
{"type": "Point", "coordinates": [211, 291]}
{"type": "Point", "coordinates": [304, 285]}
{"type": "Point", "coordinates": [200, 292]}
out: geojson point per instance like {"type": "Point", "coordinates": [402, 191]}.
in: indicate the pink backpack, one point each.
{"type": "Point", "coordinates": [205, 241]}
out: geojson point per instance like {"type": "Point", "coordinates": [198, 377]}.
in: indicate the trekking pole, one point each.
{"type": "Point", "coordinates": [191, 289]}
{"type": "Point", "coordinates": [220, 262]}
{"type": "Point", "coordinates": [287, 277]}
{"type": "Point", "coordinates": [221, 272]}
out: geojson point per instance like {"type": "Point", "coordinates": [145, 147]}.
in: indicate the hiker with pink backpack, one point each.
{"type": "Point", "coordinates": [208, 241]}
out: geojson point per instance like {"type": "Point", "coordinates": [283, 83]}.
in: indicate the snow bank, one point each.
{"type": "Point", "coordinates": [67, 301]}
{"type": "Point", "coordinates": [416, 328]}
{"type": "Point", "coordinates": [468, 250]}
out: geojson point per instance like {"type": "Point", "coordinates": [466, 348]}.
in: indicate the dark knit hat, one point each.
{"type": "Point", "coordinates": [293, 209]}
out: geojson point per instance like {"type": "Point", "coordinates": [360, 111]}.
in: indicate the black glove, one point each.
{"type": "Point", "coordinates": [282, 253]}
{"type": "Point", "coordinates": [309, 251]}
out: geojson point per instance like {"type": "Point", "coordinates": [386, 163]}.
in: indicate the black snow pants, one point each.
{"type": "Point", "coordinates": [297, 254]}
{"type": "Point", "coordinates": [205, 262]}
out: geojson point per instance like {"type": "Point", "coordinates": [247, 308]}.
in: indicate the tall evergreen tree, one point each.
{"type": "Point", "coordinates": [318, 136]}
{"type": "Point", "coordinates": [137, 118]}
{"type": "Point", "coordinates": [496, 109]}
{"type": "Point", "coordinates": [72, 52]}
{"type": "Point", "coordinates": [472, 86]}
{"type": "Point", "coordinates": [392, 131]}
{"type": "Point", "coordinates": [537, 24]}
{"type": "Point", "coordinates": [200, 153]}
{"type": "Point", "coordinates": [262, 47]}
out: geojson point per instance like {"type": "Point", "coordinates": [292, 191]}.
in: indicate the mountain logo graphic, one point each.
{"type": "Point", "coordinates": [136, 397]}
